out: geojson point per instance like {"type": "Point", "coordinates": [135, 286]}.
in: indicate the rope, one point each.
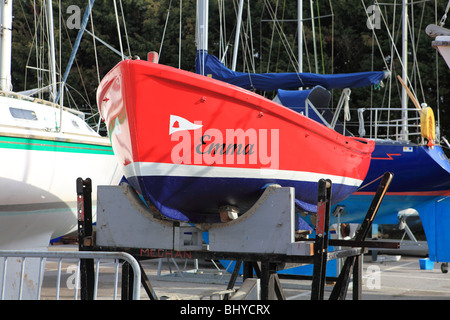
{"type": "Point", "coordinates": [361, 130]}
{"type": "Point", "coordinates": [347, 115]}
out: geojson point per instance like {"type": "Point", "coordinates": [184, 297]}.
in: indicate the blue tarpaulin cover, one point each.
{"type": "Point", "coordinates": [293, 99]}
{"type": "Point", "coordinates": [274, 81]}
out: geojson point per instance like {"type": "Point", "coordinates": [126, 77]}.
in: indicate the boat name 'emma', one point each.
{"type": "Point", "coordinates": [223, 148]}
{"type": "Point", "coordinates": [236, 146]}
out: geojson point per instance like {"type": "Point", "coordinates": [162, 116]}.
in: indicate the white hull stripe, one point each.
{"type": "Point", "coordinates": [143, 169]}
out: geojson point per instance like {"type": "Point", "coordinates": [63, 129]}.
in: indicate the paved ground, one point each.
{"type": "Point", "coordinates": [385, 279]}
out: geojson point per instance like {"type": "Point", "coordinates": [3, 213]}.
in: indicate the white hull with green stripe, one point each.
{"type": "Point", "coordinates": [43, 152]}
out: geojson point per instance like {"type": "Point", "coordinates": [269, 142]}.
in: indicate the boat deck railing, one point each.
{"type": "Point", "coordinates": [386, 123]}
{"type": "Point", "coordinates": [379, 123]}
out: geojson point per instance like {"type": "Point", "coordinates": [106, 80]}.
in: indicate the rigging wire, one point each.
{"type": "Point", "coordinates": [95, 49]}
{"type": "Point", "coordinates": [118, 29]}
{"type": "Point", "coordinates": [444, 17]}
{"type": "Point", "coordinates": [78, 67]}
{"type": "Point", "coordinates": [165, 28]}
{"type": "Point", "coordinates": [281, 30]}
{"type": "Point", "coordinates": [305, 45]}
{"type": "Point", "coordinates": [291, 55]}
{"type": "Point", "coordinates": [415, 68]}
{"type": "Point", "coordinates": [376, 38]}
{"type": "Point", "coordinates": [60, 51]}
{"type": "Point", "coordinates": [313, 27]}
{"type": "Point", "coordinates": [224, 45]}
{"type": "Point", "coordinates": [125, 28]}
{"type": "Point", "coordinates": [332, 36]}
{"type": "Point", "coordinates": [273, 33]}
{"type": "Point", "coordinates": [222, 50]}
{"type": "Point", "coordinates": [391, 38]}
{"type": "Point", "coordinates": [246, 37]}
{"type": "Point", "coordinates": [34, 37]}
{"type": "Point", "coordinates": [251, 47]}
{"type": "Point", "coordinates": [389, 91]}
{"type": "Point", "coordinates": [320, 38]}
{"type": "Point", "coordinates": [94, 43]}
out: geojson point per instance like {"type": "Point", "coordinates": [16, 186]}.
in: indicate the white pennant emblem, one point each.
{"type": "Point", "coordinates": [178, 124]}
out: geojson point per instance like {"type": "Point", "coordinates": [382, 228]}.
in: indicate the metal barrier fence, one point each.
{"type": "Point", "coordinates": [23, 272]}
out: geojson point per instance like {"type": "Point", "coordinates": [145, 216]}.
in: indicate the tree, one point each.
{"type": "Point", "coordinates": [343, 43]}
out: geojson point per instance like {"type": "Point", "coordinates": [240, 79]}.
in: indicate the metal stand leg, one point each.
{"type": "Point", "coordinates": [321, 242]}
{"type": "Point", "coordinates": [84, 206]}
{"type": "Point", "coordinates": [270, 283]}
{"type": "Point", "coordinates": [265, 281]}
{"type": "Point", "coordinates": [248, 269]}
{"type": "Point", "coordinates": [147, 285]}
{"type": "Point", "coordinates": [340, 289]}
{"type": "Point", "coordinates": [277, 285]}
{"type": "Point", "coordinates": [233, 278]}
{"type": "Point", "coordinates": [357, 278]}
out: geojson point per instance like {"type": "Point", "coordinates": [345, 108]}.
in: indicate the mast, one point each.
{"type": "Point", "coordinates": [404, 69]}
{"type": "Point", "coordinates": [52, 59]}
{"type": "Point", "coordinates": [300, 35]}
{"type": "Point", "coordinates": [5, 45]}
{"type": "Point", "coordinates": [238, 33]}
{"type": "Point", "coordinates": [202, 32]}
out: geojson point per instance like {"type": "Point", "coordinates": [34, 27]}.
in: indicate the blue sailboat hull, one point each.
{"type": "Point", "coordinates": [421, 182]}
{"type": "Point", "coordinates": [421, 175]}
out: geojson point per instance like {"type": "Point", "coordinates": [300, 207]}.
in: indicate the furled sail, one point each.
{"type": "Point", "coordinates": [209, 65]}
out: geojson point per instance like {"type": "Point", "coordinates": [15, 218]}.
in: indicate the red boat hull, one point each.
{"type": "Point", "coordinates": [190, 144]}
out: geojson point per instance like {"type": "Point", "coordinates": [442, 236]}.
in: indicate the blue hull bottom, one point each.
{"type": "Point", "coordinates": [356, 207]}
{"type": "Point", "coordinates": [191, 198]}
{"type": "Point", "coordinates": [434, 212]}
